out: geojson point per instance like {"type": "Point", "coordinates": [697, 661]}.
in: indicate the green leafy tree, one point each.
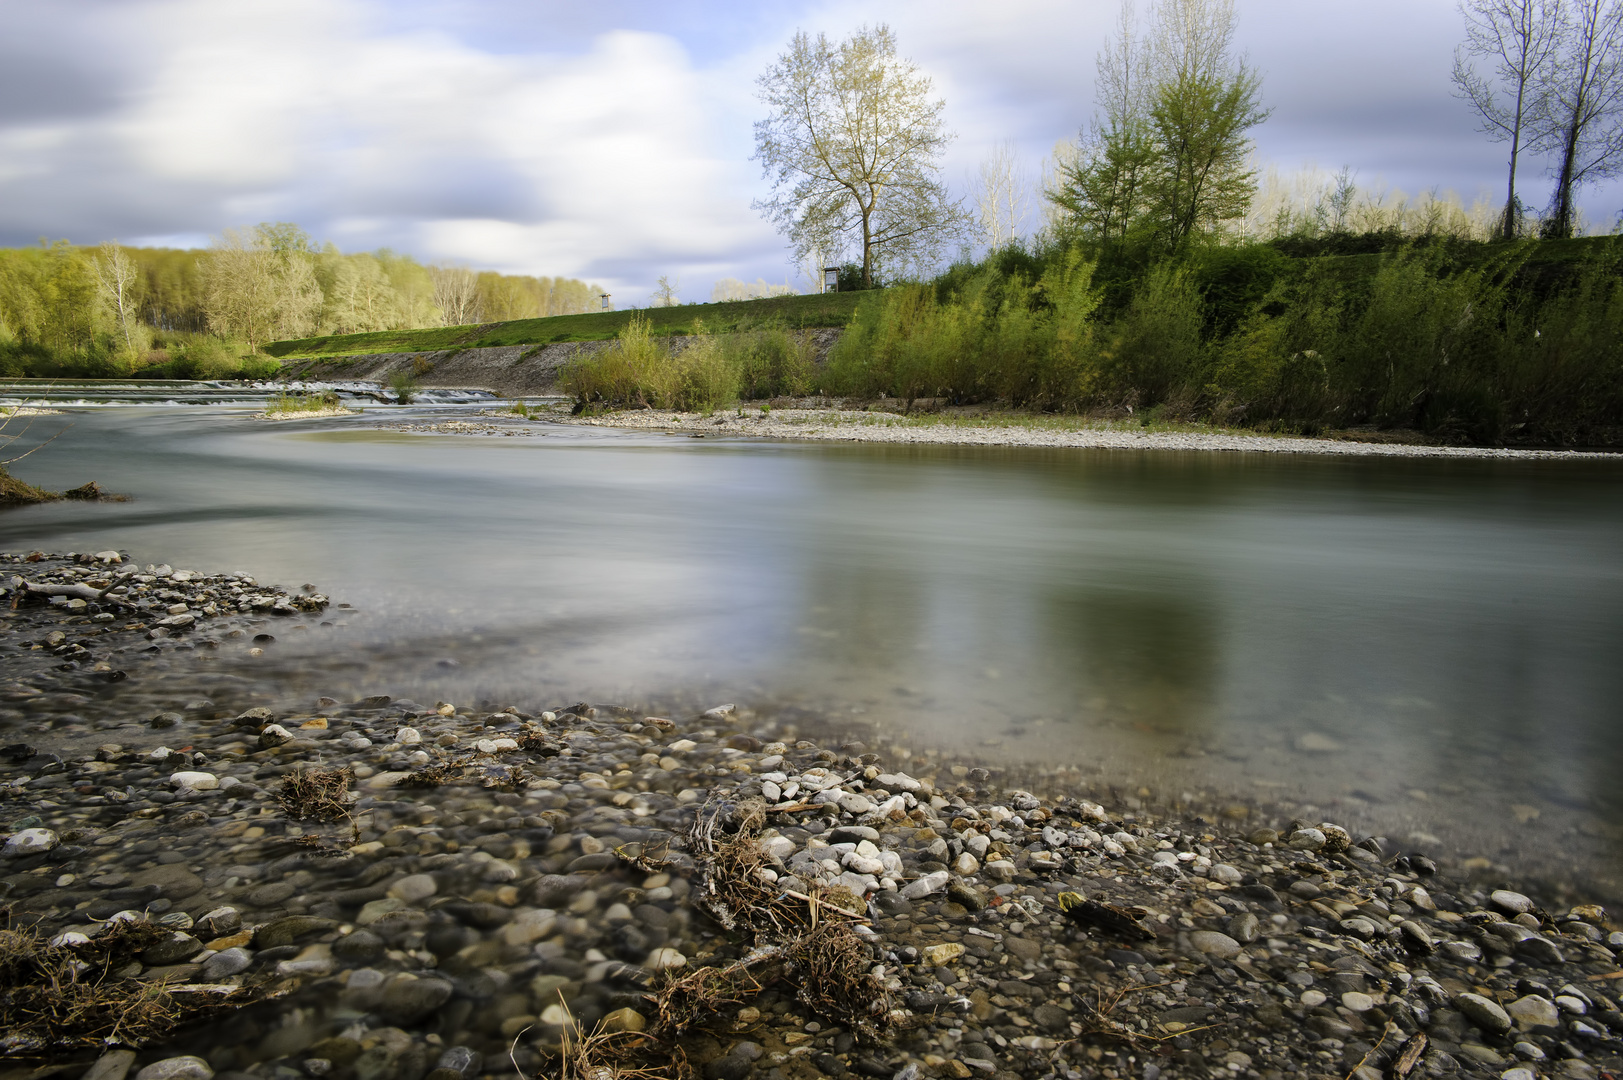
{"type": "Point", "coordinates": [1167, 158]}
{"type": "Point", "coordinates": [853, 148]}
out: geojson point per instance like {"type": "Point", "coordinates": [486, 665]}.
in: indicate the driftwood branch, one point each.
{"type": "Point", "coordinates": [74, 592]}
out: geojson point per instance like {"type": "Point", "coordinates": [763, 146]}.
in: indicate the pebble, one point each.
{"type": "Point", "coordinates": [177, 1068]}
{"type": "Point", "coordinates": [1482, 1012]}
{"type": "Point", "coordinates": [1212, 943]}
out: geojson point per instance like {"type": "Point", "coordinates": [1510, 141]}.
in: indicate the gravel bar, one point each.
{"type": "Point", "coordinates": [844, 425]}
{"type": "Point", "coordinates": [480, 879]}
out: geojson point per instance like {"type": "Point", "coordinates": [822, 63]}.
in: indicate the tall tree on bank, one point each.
{"type": "Point", "coordinates": [1168, 158]}
{"type": "Point", "coordinates": [119, 279]}
{"type": "Point", "coordinates": [853, 148]}
{"type": "Point", "coordinates": [1104, 188]}
{"type": "Point", "coordinates": [1519, 39]}
{"type": "Point", "coordinates": [1585, 106]}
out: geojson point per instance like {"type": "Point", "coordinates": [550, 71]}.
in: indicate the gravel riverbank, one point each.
{"type": "Point", "coordinates": [394, 890]}
{"type": "Point", "coordinates": [845, 425]}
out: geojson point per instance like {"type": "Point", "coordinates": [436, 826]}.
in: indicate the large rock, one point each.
{"type": "Point", "coordinates": [1485, 1014]}
{"type": "Point", "coordinates": [1533, 1011]}
{"type": "Point", "coordinates": [173, 880]}
{"type": "Point", "coordinates": [406, 999]}
{"type": "Point", "coordinates": [30, 842]}
{"type": "Point", "coordinates": [928, 885]}
{"type": "Point", "coordinates": [1211, 943]}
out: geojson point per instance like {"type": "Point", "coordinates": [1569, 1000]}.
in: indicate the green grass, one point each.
{"type": "Point", "coordinates": [795, 312]}
{"type": "Point", "coordinates": [285, 404]}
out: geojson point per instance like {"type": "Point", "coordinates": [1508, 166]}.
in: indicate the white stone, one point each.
{"type": "Point", "coordinates": [1313, 998]}
{"type": "Point", "coordinates": [1000, 870]}
{"type": "Point", "coordinates": [274, 735]}
{"type": "Point", "coordinates": [681, 746]}
{"type": "Point", "coordinates": [1307, 840]}
{"type": "Point", "coordinates": [1225, 874]}
{"type": "Point", "coordinates": [965, 865]}
{"type": "Point", "coordinates": [977, 843]}
{"type": "Point", "coordinates": [30, 842]}
{"type": "Point", "coordinates": [771, 792]}
{"type": "Point", "coordinates": [928, 885]}
{"type": "Point", "coordinates": [852, 803]}
{"type": "Point", "coordinates": [197, 781]}
{"type": "Point", "coordinates": [898, 782]}
{"type": "Point", "coordinates": [862, 865]}
{"type": "Point", "coordinates": [1315, 743]}
{"type": "Point", "coordinates": [1533, 1011]}
{"type": "Point", "coordinates": [665, 958]}
{"type": "Point", "coordinates": [718, 712]}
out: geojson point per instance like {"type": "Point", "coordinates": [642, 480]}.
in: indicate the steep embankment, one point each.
{"type": "Point", "coordinates": [509, 370]}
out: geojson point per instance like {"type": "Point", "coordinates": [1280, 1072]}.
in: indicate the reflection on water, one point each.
{"type": "Point", "coordinates": [1418, 645]}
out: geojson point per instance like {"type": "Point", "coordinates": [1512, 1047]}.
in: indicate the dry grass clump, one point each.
{"type": "Point", "coordinates": [316, 794]}
{"type": "Point", "coordinates": [831, 965]}
{"type": "Point", "coordinates": [699, 997]}
{"type": "Point", "coordinates": [808, 938]}
{"type": "Point", "coordinates": [61, 998]}
{"type": "Point", "coordinates": [602, 1054]}
{"type": "Point", "coordinates": [432, 776]}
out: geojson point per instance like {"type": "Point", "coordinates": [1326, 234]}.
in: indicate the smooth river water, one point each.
{"type": "Point", "coordinates": [1428, 648]}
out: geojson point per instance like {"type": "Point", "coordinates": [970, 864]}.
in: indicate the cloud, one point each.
{"type": "Point", "coordinates": [610, 142]}
{"type": "Point", "coordinates": [581, 163]}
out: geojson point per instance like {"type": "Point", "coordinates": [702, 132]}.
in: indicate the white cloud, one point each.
{"type": "Point", "coordinates": [609, 154]}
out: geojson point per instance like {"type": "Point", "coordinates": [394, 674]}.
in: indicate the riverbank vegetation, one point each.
{"type": "Point", "coordinates": [699, 371]}
{"type": "Point", "coordinates": [116, 311]}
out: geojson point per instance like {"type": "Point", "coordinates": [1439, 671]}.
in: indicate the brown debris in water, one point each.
{"type": "Point", "coordinates": [316, 794]}
{"type": "Point", "coordinates": [61, 998]}
{"type": "Point", "coordinates": [810, 936]}
{"type": "Point", "coordinates": [602, 1054]}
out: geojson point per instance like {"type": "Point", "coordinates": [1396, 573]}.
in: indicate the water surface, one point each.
{"type": "Point", "coordinates": [1415, 646]}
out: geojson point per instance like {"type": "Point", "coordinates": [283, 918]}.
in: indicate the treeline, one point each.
{"type": "Point", "coordinates": [118, 311]}
{"type": "Point", "coordinates": [1461, 340]}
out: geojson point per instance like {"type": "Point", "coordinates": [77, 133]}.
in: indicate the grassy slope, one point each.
{"type": "Point", "coordinates": [832, 309]}
{"type": "Point", "coordinates": [1546, 262]}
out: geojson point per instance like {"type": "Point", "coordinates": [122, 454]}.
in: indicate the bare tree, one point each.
{"type": "Point", "coordinates": [1001, 196]}
{"type": "Point", "coordinates": [1518, 38]}
{"type": "Point", "coordinates": [853, 147]}
{"type": "Point", "coordinates": [456, 294]}
{"type": "Point", "coordinates": [117, 274]}
{"type": "Point", "coordinates": [665, 292]}
{"type": "Point", "coordinates": [1585, 105]}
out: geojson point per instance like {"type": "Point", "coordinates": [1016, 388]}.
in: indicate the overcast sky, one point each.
{"type": "Point", "coordinates": [611, 140]}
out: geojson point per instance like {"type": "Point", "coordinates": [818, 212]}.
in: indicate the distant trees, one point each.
{"type": "Point", "coordinates": [730, 288]}
{"type": "Point", "coordinates": [1167, 158]}
{"type": "Point", "coordinates": [1001, 196]}
{"type": "Point", "coordinates": [260, 284]}
{"type": "Point", "coordinates": [853, 148]}
{"type": "Point", "coordinates": [455, 294]}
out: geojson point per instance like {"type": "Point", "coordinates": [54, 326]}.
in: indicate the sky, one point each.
{"type": "Point", "coordinates": [611, 141]}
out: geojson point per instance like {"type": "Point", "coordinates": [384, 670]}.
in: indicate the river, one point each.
{"type": "Point", "coordinates": [1425, 648]}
